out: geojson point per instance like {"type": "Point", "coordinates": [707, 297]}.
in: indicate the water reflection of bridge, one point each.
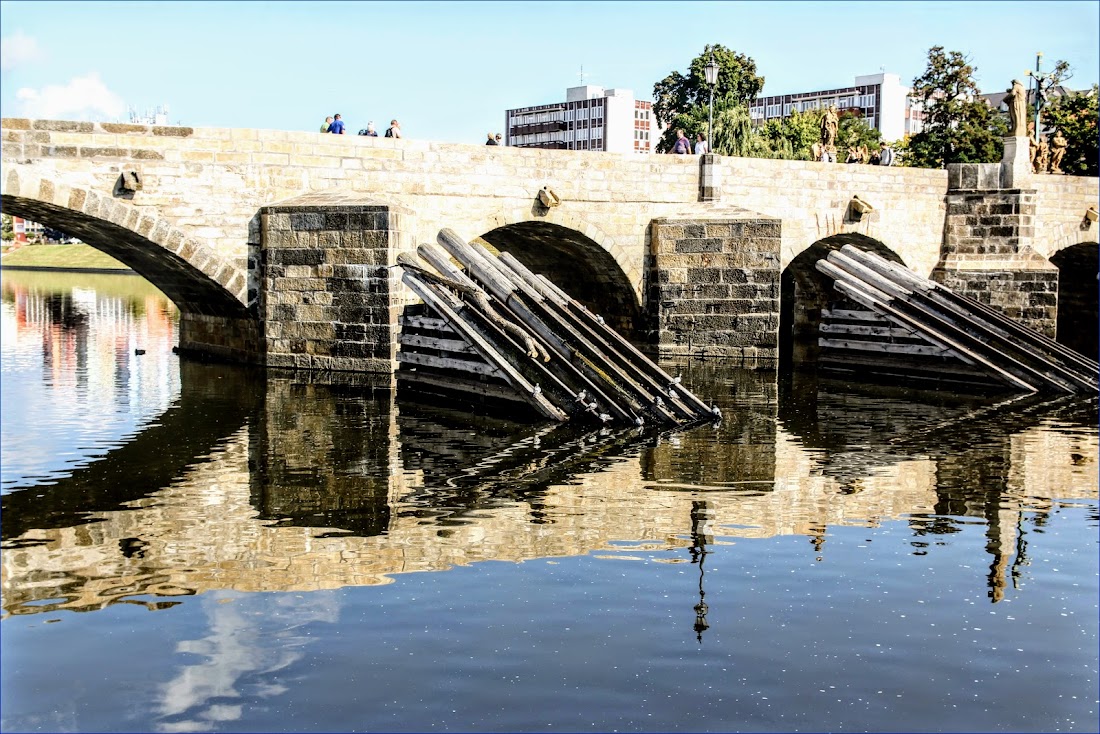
{"type": "Point", "coordinates": [305, 486]}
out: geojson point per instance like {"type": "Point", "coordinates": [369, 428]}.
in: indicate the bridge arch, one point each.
{"type": "Point", "coordinates": [1077, 322]}
{"type": "Point", "coordinates": [198, 280]}
{"type": "Point", "coordinates": [579, 258]}
{"type": "Point", "coordinates": [804, 292]}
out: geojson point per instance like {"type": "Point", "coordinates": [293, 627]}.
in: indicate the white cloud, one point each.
{"type": "Point", "coordinates": [83, 98]}
{"type": "Point", "coordinates": [18, 50]}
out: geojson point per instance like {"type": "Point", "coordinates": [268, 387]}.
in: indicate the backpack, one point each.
{"type": "Point", "coordinates": [389, 132]}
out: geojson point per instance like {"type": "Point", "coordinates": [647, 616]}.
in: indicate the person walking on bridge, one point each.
{"type": "Point", "coordinates": [492, 140]}
{"type": "Point", "coordinates": [683, 145]}
{"type": "Point", "coordinates": [394, 130]}
{"type": "Point", "coordinates": [337, 126]}
{"type": "Point", "coordinates": [328, 123]}
{"type": "Point", "coordinates": [701, 147]}
{"type": "Point", "coordinates": [885, 154]}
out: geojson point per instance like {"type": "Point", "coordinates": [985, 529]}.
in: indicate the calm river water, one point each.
{"type": "Point", "coordinates": [205, 548]}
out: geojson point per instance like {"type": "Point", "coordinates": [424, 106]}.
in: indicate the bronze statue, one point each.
{"type": "Point", "coordinates": [829, 126]}
{"type": "Point", "coordinates": [1058, 146]}
{"type": "Point", "coordinates": [1016, 99]}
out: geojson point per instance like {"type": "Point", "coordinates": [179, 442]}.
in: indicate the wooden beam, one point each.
{"type": "Point", "coordinates": [883, 331]}
{"type": "Point", "coordinates": [457, 346]}
{"type": "Point", "coordinates": [439, 303]}
{"type": "Point", "coordinates": [927, 349]}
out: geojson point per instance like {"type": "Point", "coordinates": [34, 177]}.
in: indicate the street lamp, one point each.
{"type": "Point", "coordinates": [711, 70]}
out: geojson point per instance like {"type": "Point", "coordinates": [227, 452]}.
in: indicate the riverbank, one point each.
{"type": "Point", "coordinates": [61, 257]}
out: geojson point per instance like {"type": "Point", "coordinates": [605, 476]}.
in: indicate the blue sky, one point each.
{"type": "Point", "coordinates": [448, 70]}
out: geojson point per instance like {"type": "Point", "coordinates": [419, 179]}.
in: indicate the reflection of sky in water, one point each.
{"type": "Point", "coordinates": [71, 383]}
{"type": "Point", "coordinates": [249, 639]}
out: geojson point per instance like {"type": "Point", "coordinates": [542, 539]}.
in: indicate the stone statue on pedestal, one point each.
{"type": "Point", "coordinates": [1016, 99]}
{"type": "Point", "coordinates": [829, 126]}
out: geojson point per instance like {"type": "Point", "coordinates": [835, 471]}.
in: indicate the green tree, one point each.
{"type": "Point", "coordinates": [801, 130]}
{"type": "Point", "coordinates": [959, 127]}
{"type": "Point", "coordinates": [853, 131]}
{"type": "Point", "coordinates": [792, 137]}
{"type": "Point", "coordinates": [686, 97]}
{"type": "Point", "coordinates": [734, 134]}
{"type": "Point", "coordinates": [1076, 116]}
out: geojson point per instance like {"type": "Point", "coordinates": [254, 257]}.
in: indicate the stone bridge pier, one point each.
{"type": "Point", "coordinates": [330, 296]}
{"type": "Point", "coordinates": [988, 252]}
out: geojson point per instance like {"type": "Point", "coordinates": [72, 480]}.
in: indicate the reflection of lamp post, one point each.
{"type": "Point", "coordinates": [699, 550]}
{"type": "Point", "coordinates": [711, 70]}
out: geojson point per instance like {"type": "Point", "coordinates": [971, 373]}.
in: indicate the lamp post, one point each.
{"type": "Point", "coordinates": [711, 70]}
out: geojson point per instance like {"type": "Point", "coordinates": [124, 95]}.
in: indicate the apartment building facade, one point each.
{"type": "Point", "coordinates": [881, 99]}
{"type": "Point", "coordinates": [590, 118]}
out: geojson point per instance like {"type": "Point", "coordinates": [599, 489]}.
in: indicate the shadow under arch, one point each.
{"type": "Point", "coordinates": [191, 274]}
{"type": "Point", "coordinates": [578, 265]}
{"type": "Point", "coordinates": [804, 293]}
{"type": "Point", "coordinates": [1077, 323]}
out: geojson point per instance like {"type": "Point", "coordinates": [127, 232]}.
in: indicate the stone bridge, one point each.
{"type": "Point", "coordinates": [276, 245]}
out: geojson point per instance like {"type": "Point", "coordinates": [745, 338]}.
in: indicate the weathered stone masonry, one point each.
{"type": "Point", "coordinates": [329, 299]}
{"type": "Point", "coordinates": [987, 253]}
{"type": "Point", "coordinates": [714, 289]}
{"type": "Point", "coordinates": [193, 227]}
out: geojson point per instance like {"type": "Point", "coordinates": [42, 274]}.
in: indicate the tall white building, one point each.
{"type": "Point", "coordinates": [590, 118]}
{"type": "Point", "coordinates": [881, 99]}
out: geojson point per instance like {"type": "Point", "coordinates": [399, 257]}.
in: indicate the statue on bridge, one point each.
{"type": "Point", "coordinates": [1042, 157]}
{"type": "Point", "coordinates": [829, 127]}
{"type": "Point", "coordinates": [1016, 99]}
{"type": "Point", "coordinates": [1058, 145]}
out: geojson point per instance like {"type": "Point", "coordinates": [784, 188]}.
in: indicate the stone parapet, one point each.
{"type": "Point", "coordinates": [974, 177]}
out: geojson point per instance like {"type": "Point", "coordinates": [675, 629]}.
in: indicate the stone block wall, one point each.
{"type": "Point", "coordinates": [328, 298]}
{"type": "Point", "coordinates": [221, 337]}
{"type": "Point", "coordinates": [988, 223]}
{"type": "Point", "coordinates": [987, 248]}
{"type": "Point", "coordinates": [812, 199]}
{"type": "Point", "coordinates": [714, 286]}
{"type": "Point", "coordinates": [1061, 202]}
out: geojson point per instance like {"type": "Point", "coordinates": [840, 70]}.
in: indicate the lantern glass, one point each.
{"type": "Point", "coordinates": [711, 70]}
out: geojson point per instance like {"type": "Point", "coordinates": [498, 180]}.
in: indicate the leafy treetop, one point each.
{"type": "Point", "coordinates": [682, 100]}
